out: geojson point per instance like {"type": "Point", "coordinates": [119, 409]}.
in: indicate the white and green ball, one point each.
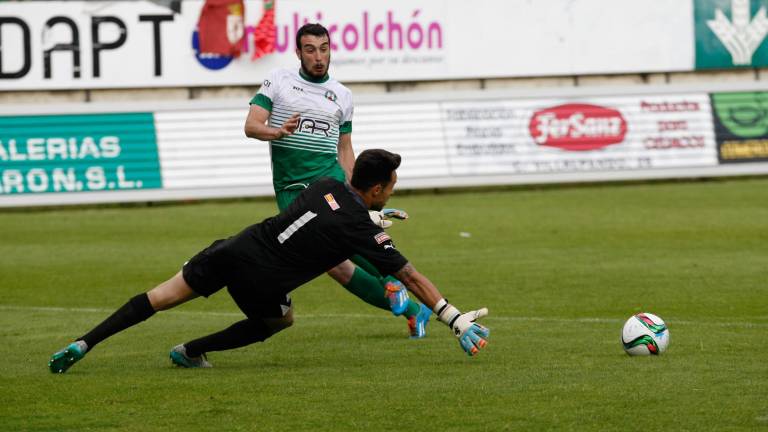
{"type": "Point", "coordinates": [645, 334]}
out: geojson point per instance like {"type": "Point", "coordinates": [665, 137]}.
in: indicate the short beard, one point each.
{"type": "Point", "coordinates": [308, 72]}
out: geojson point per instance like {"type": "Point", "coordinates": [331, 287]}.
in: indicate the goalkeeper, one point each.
{"type": "Point", "coordinates": [262, 264]}
{"type": "Point", "coordinates": [309, 130]}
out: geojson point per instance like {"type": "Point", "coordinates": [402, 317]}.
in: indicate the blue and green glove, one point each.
{"type": "Point", "coordinates": [472, 336]}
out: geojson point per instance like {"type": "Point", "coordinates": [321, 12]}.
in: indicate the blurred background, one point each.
{"type": "Point", "coordinates": [112, 101]}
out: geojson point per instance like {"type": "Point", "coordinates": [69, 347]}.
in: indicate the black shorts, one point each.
{"type": "Point", "coordinates": [213, 268]}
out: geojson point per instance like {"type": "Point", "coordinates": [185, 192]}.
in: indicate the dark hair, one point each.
{"type": "Point", "coordinates": [311, 29]}
{"type": "Point", "coordinates": [374, 167]}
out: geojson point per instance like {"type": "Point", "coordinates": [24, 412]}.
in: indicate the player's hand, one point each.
{"type": "Point", "coordinates": [378, 219]}
{"type": "Point", "coordinates": [472, 336]}
{"type": "Point", "coordinates": [382, 218]}
{"type": "Point", "coordinates": [290, 125]}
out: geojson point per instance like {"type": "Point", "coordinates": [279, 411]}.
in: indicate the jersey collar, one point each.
{"type": "Point", "coordinates": [314, 80]}
{"type": "Point", "coordinates": [357, 197]}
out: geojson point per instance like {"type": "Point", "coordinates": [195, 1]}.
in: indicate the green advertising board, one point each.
{"type": "Point", "coordinates": [741, 126]}
{"type": "Point", "coordinates": [731, 33]}
{"type": "Point", "coordinates": [78, 153]}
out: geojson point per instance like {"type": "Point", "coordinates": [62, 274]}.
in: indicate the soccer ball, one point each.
{"type": "Point", "coordinates": [644, 334]}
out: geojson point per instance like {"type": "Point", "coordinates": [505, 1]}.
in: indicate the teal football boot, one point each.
{"type": "Point", "coordinates": [397, 295]}
{"type": "Point", "coordinates": [179, 357]}
{"type": "Point", "coordinates": [65, 358]}
{"type": "Point", "coordinates": [418, 324]}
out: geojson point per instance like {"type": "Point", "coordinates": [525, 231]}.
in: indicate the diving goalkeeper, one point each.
{"type": "Point", "coordinates": [260, 266]}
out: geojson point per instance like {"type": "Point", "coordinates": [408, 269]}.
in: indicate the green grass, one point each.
{"type": "Point", "coordinates": [559, 269]}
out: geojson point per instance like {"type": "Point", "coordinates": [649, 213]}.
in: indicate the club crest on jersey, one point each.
{"type": "Point", "coordinates": [332, 202]}
{"type": "Point", "coordinates": [382, 237]}
{"type": "Point", "coordinates": [331, 96]}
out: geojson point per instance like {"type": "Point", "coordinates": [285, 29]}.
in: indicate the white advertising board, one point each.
{"type": "Point", "coordinates": [115, 44]}
{"type": "Point", "coordinates": [586, 134]}
{"type": "Point", "coordinates": [98, 153]}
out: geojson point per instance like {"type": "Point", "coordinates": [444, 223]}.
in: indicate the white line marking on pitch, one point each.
{"type": "Point", "coordinates": [744, 324]}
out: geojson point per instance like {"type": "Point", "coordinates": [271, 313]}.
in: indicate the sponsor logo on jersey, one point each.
{"type": "Point", "coordinates": [314, 127]}
{"type": "Point", "coordinates": [578, 127]}
{"type": "Point", "coordinates": [382, 237]}
{"type": "Point", "coordinates": [332, 202]}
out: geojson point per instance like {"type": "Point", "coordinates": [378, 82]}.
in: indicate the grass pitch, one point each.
{"type": "Point", "coordinates": [559, 269]}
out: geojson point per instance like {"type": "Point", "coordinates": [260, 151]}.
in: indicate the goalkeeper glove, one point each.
{"type": "Point", "coordinates": [470, 334]}
{"type": "Point", "coordinates": [381, 218]}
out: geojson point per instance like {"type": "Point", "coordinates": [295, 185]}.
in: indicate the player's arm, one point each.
{"type": "Point", "coordinates": [471, 335]}
{"type": "Point", "coordinates": [344, 147]}
{"type": "Point", "coordinates": [346, 154]}
{"type": "Point", "coordinates": [256, 125]}
{"type": "Point", "coordinates": [419, 285]}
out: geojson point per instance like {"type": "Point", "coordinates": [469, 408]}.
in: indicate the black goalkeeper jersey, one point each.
{"type": "Point", "coordinates": [325, 225]}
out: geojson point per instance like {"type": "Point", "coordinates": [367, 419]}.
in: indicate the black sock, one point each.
{"type": "Point", "coordinates": [133, 312]}
{"type": "Point", "coordinates": [237, 335]}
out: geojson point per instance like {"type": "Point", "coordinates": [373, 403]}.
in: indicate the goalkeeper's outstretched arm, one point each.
{"type": "Point", "coordinates": [472, 336]}
{"type": "Point", "coordinates": [419, 285]}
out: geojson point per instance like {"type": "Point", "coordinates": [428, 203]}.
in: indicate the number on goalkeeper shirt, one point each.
{"type": "Point", "coordinates": [295, 226]}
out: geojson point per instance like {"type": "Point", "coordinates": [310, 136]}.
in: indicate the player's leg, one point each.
{"type": "Point", "coordinates": [386, 293]}
{"type": "Point", "coordinates": [164, 296]}
{"type": "Point", "coordinates": [266, 317]}
{"type": "Point", "coordinates": [360, 283]}
{"type": "Point", "coordinates": [394, 290]}
{"type": "Point", "coordinates": [171, 293]}
{"type": "Point", "coordinates": [285, 197]}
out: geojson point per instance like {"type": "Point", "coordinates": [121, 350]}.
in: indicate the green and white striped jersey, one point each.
{"type": "Point", "coordinates": [325, 109]}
